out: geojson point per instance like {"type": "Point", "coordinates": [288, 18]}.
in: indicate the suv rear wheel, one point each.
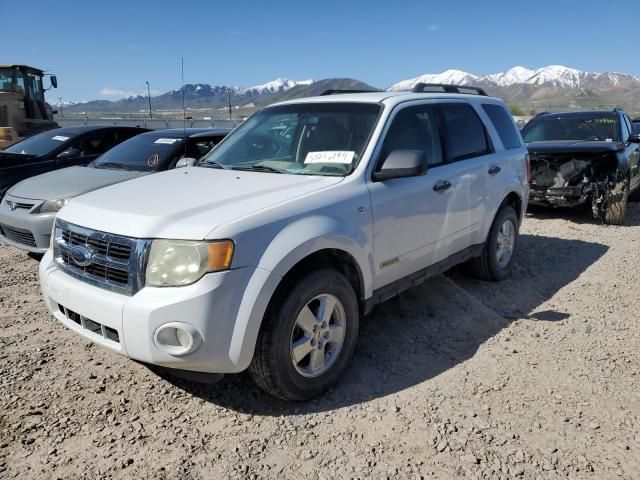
{"type": "Point", "coordinates": [307, 337]}
{"type": "Point", "coordinates": [496, 261]}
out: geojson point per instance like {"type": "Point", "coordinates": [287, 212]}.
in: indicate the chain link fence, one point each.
{"type": "Point", "coordinates": [153, 124]}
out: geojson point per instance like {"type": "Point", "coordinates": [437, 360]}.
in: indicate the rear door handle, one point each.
{"type": "Point", "coordinates": [494, 170]}
{"type": "Point", "coordinates": [441, 186]}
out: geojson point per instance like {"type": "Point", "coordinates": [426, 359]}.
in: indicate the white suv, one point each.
{"type": "Point", "coordinates": [266, 254]}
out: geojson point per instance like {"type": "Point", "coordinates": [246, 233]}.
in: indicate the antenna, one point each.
{"type": "Point", "coordinates": [184, 112]}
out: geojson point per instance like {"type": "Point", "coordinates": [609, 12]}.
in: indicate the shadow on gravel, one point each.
{"type": "Point", "coordinates": [582, 214]}
{"type": "Point", "coordinates": [429, 329]}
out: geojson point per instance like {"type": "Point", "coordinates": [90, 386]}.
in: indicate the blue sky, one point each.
{"type": "Point", "coordinates": [107, 49]}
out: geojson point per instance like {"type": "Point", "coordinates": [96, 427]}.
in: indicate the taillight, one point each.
{"type": "Point", "coordinates": [527, 159]}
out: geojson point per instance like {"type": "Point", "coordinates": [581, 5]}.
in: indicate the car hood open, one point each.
{"type": "Point", "coordinates": [186, 203]}
{"type": "Point", "coordinates": [70, 182]}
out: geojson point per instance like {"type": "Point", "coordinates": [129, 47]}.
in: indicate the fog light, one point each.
{"type": "Point", "coordinates": [177, 338]}
{"type": "Point", "coordinates": [184, 339]}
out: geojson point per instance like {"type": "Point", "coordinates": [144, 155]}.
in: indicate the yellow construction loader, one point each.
{"type": "Point", "coordinates": [23, 111]}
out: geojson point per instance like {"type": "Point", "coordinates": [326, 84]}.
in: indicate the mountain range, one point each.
{"type": "Point", "coordinates": [554, 87]}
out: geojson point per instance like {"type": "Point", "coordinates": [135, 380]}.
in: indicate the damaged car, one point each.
{"type": "Point", "coordinates": [583, 158]}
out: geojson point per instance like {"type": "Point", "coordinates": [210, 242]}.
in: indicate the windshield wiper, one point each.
{"type": "Point", "coordinates": [113, 165]}
{"type": "Point", "coordinates": [259, 168]}
{"type": "Point", "coordinates": [210, 164]}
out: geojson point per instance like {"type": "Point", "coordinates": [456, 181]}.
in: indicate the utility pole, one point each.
{"type": "Point", "coordinates": [229, 99]}
{"type": "Point", "coordinates": [149, 96]}
{"type": "Point", "coordinates": [60, 104]}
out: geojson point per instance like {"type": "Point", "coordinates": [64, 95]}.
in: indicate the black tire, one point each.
{"type": "Point", "coordinates": [272, 367]}
{"type": "Point", "coordinates": [486, 266]}
{"type": "Point", "coordinates": [615, 205]}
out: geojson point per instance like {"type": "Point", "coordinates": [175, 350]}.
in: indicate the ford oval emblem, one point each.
{"type": "Point", "coordinates": [82, 255]}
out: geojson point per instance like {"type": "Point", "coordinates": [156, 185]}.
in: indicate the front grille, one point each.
{"type": "Point", "coordinates": [23, 237]}
{"type": "Point", "coordinates": [19, 205]}
{"type": "Point", "coordinates": [116, 262]}
{"type": "Point", "coordinates": [117, 275]}
{"type": "Point", "coordinates": [88, 324]}
{"type": "Point", "coordinates": [114, 250]}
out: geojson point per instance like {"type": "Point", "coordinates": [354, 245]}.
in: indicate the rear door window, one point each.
{"type": "Point", "coordinates": [465, 135]}
{"type": "Point", "coordinates": [503, 123]}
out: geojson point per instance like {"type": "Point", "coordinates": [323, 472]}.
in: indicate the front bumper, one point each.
{"type": "Point", "coordinates": [560, 197]}
{"type": "Point", "coordinates": [23, 229]}
{"type": "Point", "coordinates": [214, 306]}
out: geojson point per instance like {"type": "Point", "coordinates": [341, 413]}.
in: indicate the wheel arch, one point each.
{"type": "Point", "coordinates": [311, 242]}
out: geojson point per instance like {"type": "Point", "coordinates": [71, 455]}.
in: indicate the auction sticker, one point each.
{"type": "Point", "coordinates": [167, 141]}
{"type": "Point", "coordinates": [60, 138]}
{"type": "Point", "coordinates": [330, 156]}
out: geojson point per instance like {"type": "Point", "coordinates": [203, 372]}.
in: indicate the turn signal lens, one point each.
{"type": "Point", "coordinates": [220, 255]}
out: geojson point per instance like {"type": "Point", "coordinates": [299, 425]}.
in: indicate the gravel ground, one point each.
{"type": "Point", "coordinates": [534, 377]}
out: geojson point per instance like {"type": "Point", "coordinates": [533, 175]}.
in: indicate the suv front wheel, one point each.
{"type": "Point", "coordinates": [496, 261]}
{"type": "Point", "coordinates": [307, 337]}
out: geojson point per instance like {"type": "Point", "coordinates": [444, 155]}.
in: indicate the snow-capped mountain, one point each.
{"type": "Point", "coordinates": [457, 77]}
{"type": "Point", "coordinates": [274, 86]}
{"type": "Point", "coordinates": [554, 76]}
{"type": "Point", "coordinates": [202, 96]}
{"type": "Point", "coordinates": [511, 76]}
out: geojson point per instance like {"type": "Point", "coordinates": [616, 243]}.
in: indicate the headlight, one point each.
{"type": "Point", "coordinates": [52, 206]}
{"type": "Point", "coordinates": [173, 263]}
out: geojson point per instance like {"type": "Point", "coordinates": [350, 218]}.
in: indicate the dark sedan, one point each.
{"type": "Point", "coordinates": [28, 209]}
{"type": "Point", "coordinates": [59, 148]}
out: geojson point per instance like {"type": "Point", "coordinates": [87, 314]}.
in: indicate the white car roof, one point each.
{"type": "Point", "coordinates": [390, 98]}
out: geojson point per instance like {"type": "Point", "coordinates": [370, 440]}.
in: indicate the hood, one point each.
{"type": "Point", "coordinates": [574, 146]}
{"type": "Point", "coordinates": [186, 203]}
{"type": "Point", "coordinates": [70, 182]}
{"type": "Point", "coordinates": [14, 159]}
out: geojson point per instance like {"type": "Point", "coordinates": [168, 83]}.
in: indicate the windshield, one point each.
{"type": "Point", "coordinates": [304, 139]}
{"type": "Point", "coordinates": [592, 127]}
{"type": "Point", "coordinates": [143, 153]}
{"type": "Point", "coordinates": [7, 81]}
{"type": "Point", "coordinates": [42, 143]}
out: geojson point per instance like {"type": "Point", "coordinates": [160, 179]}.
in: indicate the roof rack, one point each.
{"type": "Point", "coordinates": [444, 88]}
{"type": "Point", "coordinates": [338, 91]}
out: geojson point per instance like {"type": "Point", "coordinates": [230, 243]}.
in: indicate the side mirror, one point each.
{"type": "Point", "coordinates": [54, 81]}
{"type": "Point", "coordinates": [634, 138]}
{"type": "Point", "coordinates": [400, 164]}
{"type": "Point", "coordinates": [185, 162]}
{"type": "Point", "coordinates": [55, 112]}
{"type": "Point", "coordinates": [69, 153]}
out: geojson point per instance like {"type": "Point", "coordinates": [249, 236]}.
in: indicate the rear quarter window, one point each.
{"type": "Point", "coordinates": [503, 123]}
{"type": "Point", "coordinates": [465, 135]}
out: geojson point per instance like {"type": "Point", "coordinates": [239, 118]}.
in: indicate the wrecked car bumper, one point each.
{"type": "Point", "coordinates": [560, 197]}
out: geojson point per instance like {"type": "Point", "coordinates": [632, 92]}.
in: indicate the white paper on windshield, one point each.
{"type": "Point", "coordinates": [60, 138]}
{"type": "Point", "coordinates": [330, 156]}
{"type": "Point", "coordinates": [167, 141]}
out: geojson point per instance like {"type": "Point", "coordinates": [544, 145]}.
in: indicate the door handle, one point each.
{"type": "Point", "coordinates": [441, 186]}
{"type": "Point", "coordinates": [494, 170]}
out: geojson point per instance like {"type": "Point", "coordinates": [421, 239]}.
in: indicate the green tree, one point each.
{"type": "Point", "coordinates": [517, 111]}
